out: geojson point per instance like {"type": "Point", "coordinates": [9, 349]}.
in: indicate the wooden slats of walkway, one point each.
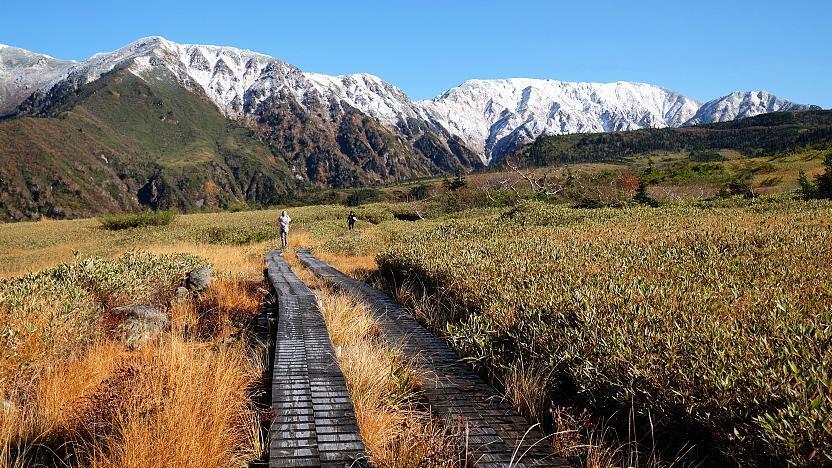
{"type": "Point", "coordinates": [314, 418]}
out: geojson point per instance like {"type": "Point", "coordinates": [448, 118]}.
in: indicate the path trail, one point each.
{"type": "Point", "coordinates": [314, 418]}
{"type": "Point", "coordinates": [499, 435]}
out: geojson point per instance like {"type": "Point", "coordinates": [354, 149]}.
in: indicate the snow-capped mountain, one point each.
{"type": "Point", "coordinates": [494, 116]}
{"type": "Point", "coordinates": [488, 117]}
{"type": "Point", "coordinates": [229, 77]}
{"type": "Point", "coordinates": [237, 81]}
{"type": "Point", "coordinates": [739, 105]}
{"type": "Point", "coordinates": [23, 72]}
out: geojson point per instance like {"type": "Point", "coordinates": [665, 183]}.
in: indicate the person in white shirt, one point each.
{"type": "Point", "coordinates": [284, 221]}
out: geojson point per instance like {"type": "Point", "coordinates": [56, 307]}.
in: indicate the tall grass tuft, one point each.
{"type": "Point", "coordinates": [74, 394]}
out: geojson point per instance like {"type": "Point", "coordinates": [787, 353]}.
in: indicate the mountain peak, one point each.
{"type": "Point", "coordinates": [742, 104]}
{"type": "Point", "coordinates": [491, 117]}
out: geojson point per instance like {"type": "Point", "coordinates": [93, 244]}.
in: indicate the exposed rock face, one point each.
{"type": "Point", "coordinates": [141, 324]}
{"type": "Point", "coordinates": [182, 294]}
{"type": "Point", "coordinates": [155, 194]}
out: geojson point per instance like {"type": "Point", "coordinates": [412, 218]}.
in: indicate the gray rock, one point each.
{"type": "Point", "coordinates": [182, 293]}
{"type": "Point", "coordinates": [199, 279]}
{"type": "Point", "coordinates": [142, 323]}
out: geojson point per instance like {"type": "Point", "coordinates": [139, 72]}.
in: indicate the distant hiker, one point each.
{"type": "Point", "coordinates": [284, 221]}
{"type": "Point", "coordinates": [351, 219]}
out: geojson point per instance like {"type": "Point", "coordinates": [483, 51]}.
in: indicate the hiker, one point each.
{"type": "Point", "coordinates": [351, 219]}
{"type": "Point", "coordinates": [284, 221]}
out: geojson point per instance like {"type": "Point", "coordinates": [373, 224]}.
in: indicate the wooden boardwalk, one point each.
{"type": "Point", "coordinates": [314, 421]}
{"type": "Point", "coordinates": [499, 436]}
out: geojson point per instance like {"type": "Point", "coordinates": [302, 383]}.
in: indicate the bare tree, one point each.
{"type": "Point", "coordinates": [542, 185]}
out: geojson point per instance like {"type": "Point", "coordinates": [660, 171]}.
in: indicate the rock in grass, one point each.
{"type": "Point", "coordinates": [142, 323]}
{"type": "Point", "coordinates": [199, 279]}
{"type": "Point", "coordinates": [182, 293]}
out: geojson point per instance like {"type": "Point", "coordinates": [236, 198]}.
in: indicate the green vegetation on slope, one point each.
{"type": "Point", "coordinates": [762, 135]}
{"type": "Point", "coordinates": [125, 142]}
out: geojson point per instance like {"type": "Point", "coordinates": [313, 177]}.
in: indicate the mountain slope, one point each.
{"type": "Point", "coordinates": [496, 117]}
{"type": "Point", "coordinates": [127, 143]}
{"type": "Point", "coordinates": [327, 143]}
{"type": "Point", "coordinates": [487, 117]}
{"type": "Point", "coordinates": [159, 124]}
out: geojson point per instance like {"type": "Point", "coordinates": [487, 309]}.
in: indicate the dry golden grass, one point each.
{"type": "Point", "coordinates": [397, 431]}
{"type": "Point", "coordinates": [237, 260]}
{"type": "Point", "coordinates": [527, 387]}
{"type": "Point", "coordinates": [203, 414]}
{"type": "Point", "coordinates": [309, 278]}
{"type": "Point", "coordinates": [172, 403]}
{"type": "Point", "coordinates": [221, 310]}
{"type": "Point", "coordinates": [348, 321]}
{"type": "Point", "coordinates": [181, 400]}
{"type": "Point", "coordinates": [34, 246]}
{"type": "Point", "coordinates": [300, 239]}
{"type": "Point", "coordinates": [357, 266]}
{"type": "Point", "coordinates": [19, 261]}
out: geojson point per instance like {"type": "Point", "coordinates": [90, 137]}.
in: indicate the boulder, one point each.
{"type": "Point", "coordinates": [199, 279]}
{"type": "Point", "coordinates": [142, 323]}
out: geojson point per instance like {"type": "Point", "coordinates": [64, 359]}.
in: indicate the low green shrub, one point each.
{"type": "Point", "coordinates": [705, 156]}
{"type": "Point", "coordinates": [236, 235]}
{"type": "Point", "coordinates": [364, 195]}
{"type": "Point", "coordinates": [116, 222]}
{"type": "Point", "coordinates": [717, 319]}
{"type": "Point", "coordinates": [374, 214]}
{"type": "Point", "coordinates": [822, 187]}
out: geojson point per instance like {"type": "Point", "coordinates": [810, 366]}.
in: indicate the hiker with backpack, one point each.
{"type": "Point", "coordinates": [351, 219]}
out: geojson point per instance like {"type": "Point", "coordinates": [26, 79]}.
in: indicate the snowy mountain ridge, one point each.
{"type": "Point", "coordinates": [23, 72]}
{"type": "Point", "coordinates": [743, 104]}
{"type": "Point", "coordinates": [497, 115]}
{"type": "Point", "coordinates": [491, 117]}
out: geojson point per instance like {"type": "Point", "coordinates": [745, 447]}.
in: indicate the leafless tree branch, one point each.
{"type": "Point", "coordinates": [540, 186]}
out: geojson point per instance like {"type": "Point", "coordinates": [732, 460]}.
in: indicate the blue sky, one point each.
{"type": "Point", "coordinates": [704, 49]}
